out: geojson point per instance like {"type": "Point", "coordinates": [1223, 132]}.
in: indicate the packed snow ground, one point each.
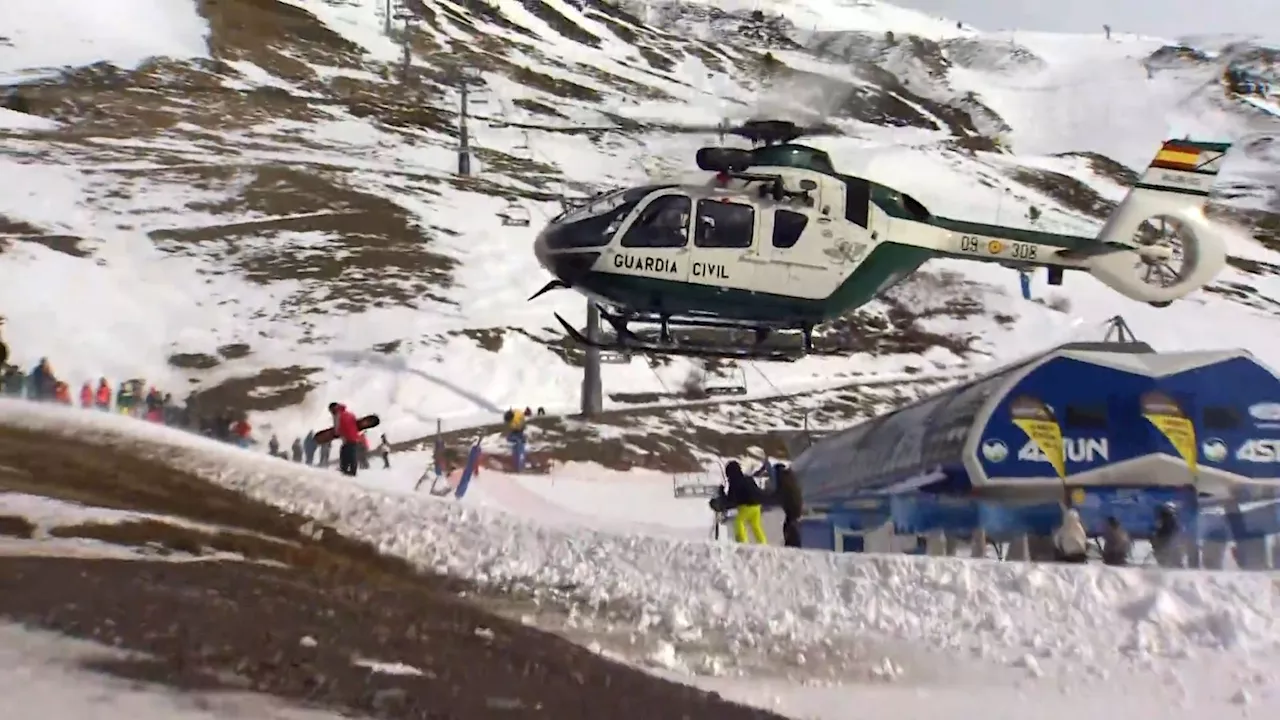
{"type": "Point", "coordinates": [122, 312]}
{"type": "Point", "coordinates": [928, 635]}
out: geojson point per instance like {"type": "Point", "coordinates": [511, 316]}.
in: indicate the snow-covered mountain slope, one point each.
{"type": "Point", "coordinates": [252, 199]}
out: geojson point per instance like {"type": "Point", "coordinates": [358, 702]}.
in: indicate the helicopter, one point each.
{"type": "Point", "coordinates": [778, 241]}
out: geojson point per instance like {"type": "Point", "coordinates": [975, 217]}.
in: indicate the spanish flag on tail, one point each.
{"type": "Point", "coordinates": [1185, 167]}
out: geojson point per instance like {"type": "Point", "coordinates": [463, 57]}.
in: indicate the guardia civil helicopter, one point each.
{"type": "Point", "coordinates": [777, 240]}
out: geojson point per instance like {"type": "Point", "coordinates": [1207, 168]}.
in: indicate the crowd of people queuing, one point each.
{"type": "Point", "coordinates": [135, 398]}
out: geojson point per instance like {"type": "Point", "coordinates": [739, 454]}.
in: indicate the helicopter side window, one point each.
{"type": "Point", "coordinates": [724, 225]}
{"type": "Point", "coordinates": [664, 223]}
{"type": "Point", "coordinates": [787, 228]}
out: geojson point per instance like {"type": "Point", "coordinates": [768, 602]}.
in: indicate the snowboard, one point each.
{"type": "Point", "coordinates": [365, 423]}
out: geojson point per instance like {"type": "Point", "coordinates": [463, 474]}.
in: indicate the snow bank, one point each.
{"type": "Point", "coordinates": [13, 120]}
{"type": "Point", "coordinates": [758, 597]}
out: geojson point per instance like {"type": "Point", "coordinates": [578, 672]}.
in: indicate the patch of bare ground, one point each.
{"type": "Point", "coordinates": [16, 526]}
{"type": "Point", "coordinates": [1066, 190]}
{"type": "Point", "coordinates": [303, 627]}
{"type": "Point", "coordinates": [351, 250]}
{"type": "Point", "coordinates": [1262, 225]}
{"type": "Point", "coordinates": [12, 231]}
{"type": "Point", "coordinates": [279, 37]}
{"type": "Point", "coordinates": [1103, 166]}
{"type": "Point", "coordinates": [267, 390]}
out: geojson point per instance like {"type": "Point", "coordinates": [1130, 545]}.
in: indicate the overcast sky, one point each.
{"type": "Point", "coordinates": [1163, 18]}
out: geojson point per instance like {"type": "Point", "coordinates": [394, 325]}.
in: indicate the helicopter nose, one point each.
{"type": "Point", "coordinates": [541, 250]}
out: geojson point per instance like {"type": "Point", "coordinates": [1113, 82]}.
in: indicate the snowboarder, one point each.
{"type": "Point", "coordinates": [273, 446]}
{"type": "Point", "coordinates": [362, 452]}
{"type": "Point", "coordinates": [296, 450]}
{"type": "Point", "coordinates": [745, 497]}
{"type": "Point", "coordinates": [347, 429]}
{"type": "Point", "coordinates": [1070, 539]}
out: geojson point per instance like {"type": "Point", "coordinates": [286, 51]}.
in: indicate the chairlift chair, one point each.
{"type": "Point", "coordinates": [734, 388]}
{"type": "Point", "coordinates": [515, 215]}
{"type": "Point", "coordinates": [609, 357]}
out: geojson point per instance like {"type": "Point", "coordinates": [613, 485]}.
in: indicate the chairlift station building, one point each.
{"type": "Point", "coordinates": [963, 441]}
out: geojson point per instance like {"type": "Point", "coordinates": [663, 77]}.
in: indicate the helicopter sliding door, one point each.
{"type": "Point", "coordinates": [723, 235]}
{"type": "Point", "coordinates": [656, 244]}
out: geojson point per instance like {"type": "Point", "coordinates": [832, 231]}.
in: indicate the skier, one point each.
{"type": "Point", "coordinates": [745, 497]}
{"type": "Point", "coordinates": [1070, 539]}
{"type": "Point", "coordinates": [296, 450]}
{"type": "Point", "coordinates": [86, 395]}
{"type": "Point", "coordinates": [273, 446]}
{"type": "Point", "coordinates": [347, 429]}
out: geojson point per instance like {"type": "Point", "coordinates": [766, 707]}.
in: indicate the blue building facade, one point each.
{"type": "Point", "coordinates": [1133, 428]}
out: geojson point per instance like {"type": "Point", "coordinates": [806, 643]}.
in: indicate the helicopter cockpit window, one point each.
{"type": "Point", "coordinates": [724, 225]}
{"type": "Point", "coordinates": [787, 228]}
{"type": "Point", "coordinates": [664, 223]}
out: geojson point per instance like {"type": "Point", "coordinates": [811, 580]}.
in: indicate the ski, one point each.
{"type": "Point", "coordinates": [365, 423]}
{"type": "Point", "coordinates": [703, 351]}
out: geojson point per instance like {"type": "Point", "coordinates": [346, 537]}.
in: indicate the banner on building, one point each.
{"type": "Point", "coordinates": [1036, 419]}
{"type": "Point", "coordinates": [1168, 417]}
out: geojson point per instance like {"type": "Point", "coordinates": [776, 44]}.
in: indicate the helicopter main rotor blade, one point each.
{"type": "Point", "coordinates": [553, 285]}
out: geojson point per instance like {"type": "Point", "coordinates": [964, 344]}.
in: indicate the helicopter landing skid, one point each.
{"type": "Point", "coordinates": [628, 342]}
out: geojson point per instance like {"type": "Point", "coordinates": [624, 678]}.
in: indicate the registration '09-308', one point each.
{"type": "Point", "coordinates": [1017, 250]}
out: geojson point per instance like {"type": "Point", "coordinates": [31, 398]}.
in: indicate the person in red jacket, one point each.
{"type": "Point", "coordinates": [103, 398]}
{"type": "Point", "coordinates": [347, 429]}
{"type": "Point", "coordinates": [86, 395]}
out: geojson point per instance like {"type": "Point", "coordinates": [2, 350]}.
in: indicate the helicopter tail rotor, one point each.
{"type": "Point", "coordinates": [1172, 248]}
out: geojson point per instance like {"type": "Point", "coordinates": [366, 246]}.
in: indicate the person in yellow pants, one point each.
{"type": "Point", "coordinates": [746, 497]}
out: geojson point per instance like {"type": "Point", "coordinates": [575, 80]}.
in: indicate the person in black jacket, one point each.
{"type": "Point", "coordinates": [745, 497]}
{"type": "Point", "coordinates": [787, 495]}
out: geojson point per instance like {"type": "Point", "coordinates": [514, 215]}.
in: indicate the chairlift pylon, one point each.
{"type": "Point", "coordinates": [515, 215]}
{"type": "Point", "coordinates": [1117, 331]}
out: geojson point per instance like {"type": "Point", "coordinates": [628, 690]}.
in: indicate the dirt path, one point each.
{"type": "Point", "coordinates": [296, 627]}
